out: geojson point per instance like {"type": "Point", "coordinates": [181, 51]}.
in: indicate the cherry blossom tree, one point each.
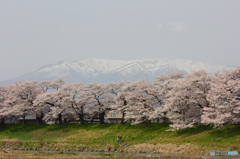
{"type": "Point", "coordinates": [140, 101]}
{"type": "Point", "coordinates": [19, 99]}
{"type": "Point", "coordinates": [99, 98]}
{"type": "Point", "coordinates": [7, 101]}
{"type": "Point", "coordinates": [2, 94]}
{"type": "Point", "coordinates": [119, 97]}
{"type": "Point", "coordinates": [53, 103]}
{"type": "Point", "coordinates": [43, 107]}
{"type": "Point", "coordinates": [52, 84]}
{"type": "Point", "coordinates": [224, 98]}
{"type": "Point", "coordinates": [45, 87]}
{"type": "Point", "coordinates": [162, 86]}
{"type": "Point", "coordinates": [3, 98]}
{"type": "Point", "coordinates": [187, 98]}
{"type": "Point", "coordinates": [56, 84]}
{"type": "Point", "coordinates": [137, 100]}
{"type": "Point", "coordinates": [76, 99]}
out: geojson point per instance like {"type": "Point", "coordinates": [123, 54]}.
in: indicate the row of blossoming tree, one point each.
{"type": "Point", "coordinates": [182, 99]}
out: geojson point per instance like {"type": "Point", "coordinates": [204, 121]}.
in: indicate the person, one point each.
{"type": "Point", "coordinates": [120, 138]}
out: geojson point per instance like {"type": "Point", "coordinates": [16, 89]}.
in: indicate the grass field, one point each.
{"type": "Point", "coordinates": [62, 155]}
{"type": "Point", "coordinates": [147, 137]}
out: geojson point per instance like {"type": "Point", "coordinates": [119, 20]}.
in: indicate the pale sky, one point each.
{"type": "Point", "coordinates": [34, 33]}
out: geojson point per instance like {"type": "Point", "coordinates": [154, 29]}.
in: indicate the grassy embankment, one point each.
{"type": "Point", "coordinates": [95, 137]}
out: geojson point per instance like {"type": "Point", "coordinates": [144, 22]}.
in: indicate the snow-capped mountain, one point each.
{"type": "Point", "coordinates": [104, 71]}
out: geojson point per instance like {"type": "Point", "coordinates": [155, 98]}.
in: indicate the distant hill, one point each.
{"type": "Point", "coordinates": [104, 71]}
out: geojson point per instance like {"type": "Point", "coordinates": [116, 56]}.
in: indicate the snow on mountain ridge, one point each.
{"type": "Point", "coordinates": [103, 65]}
{"type": "Point", "coordinates": [150, 65]}
{"type": "Point", "coordinates": [104, 70]}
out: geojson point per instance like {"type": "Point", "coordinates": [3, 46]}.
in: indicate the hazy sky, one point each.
{"type": "Point", "coordinates": [38, 32]}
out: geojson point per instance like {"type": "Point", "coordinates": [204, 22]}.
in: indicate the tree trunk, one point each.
{"type": "Point", "coordinates": [165, 120]}
{"type": "Point", "coordinates": [2, 122]}
{"type": "Point", "coordinates": [81, 118]}
{"type": "Point", "coordinates": [24, 122]}
{"type": "Point", "coordinates": [91, 120]}
{"type": "Point", "coordinates": [56, 121]}
{"type": "Point", "coordinates": [123, 115]}
{"type": "Point", "coordinates": [65, 120]}
{"type": "Point", "coordinates": [122, 121]}
{"type": "Point", "coordinates": [60, 118]}
{"type": "Point", "coordinates": [101, 117]}
{"type": "Point", "coordinates": [39, 119]}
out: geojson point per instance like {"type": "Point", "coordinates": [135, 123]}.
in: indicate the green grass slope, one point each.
{"type": "Point", "coordinates": [96, 136]}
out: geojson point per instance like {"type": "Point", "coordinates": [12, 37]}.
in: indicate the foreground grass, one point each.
{"type": "Point", "coordinates": [147, 137]}
{"type": "Point", "coordinates": [59, 155]}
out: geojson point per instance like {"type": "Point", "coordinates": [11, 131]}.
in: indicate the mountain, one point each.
{"type": "Point", "coordinates": [104, 71]}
